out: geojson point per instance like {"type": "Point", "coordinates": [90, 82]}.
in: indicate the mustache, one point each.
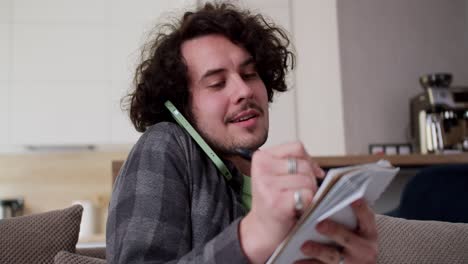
{"type": "Point", "coordinates": [247, 105]}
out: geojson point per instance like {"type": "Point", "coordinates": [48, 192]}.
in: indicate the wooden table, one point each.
{"type": "Point", "coordinates": [404, 161]}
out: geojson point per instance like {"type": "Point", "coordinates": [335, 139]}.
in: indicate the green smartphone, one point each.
{"type": "Point", "coordinates": [246, 186]}
{"type": "Point", "coordinates": [194, 134]}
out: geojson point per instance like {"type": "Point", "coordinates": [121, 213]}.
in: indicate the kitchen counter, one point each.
{"type": "Point", "coordinates": [391, 197]}
{"type": "Point", "coordinates": [404, 161]}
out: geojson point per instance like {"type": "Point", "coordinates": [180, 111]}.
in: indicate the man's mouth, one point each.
{"type": "Point", "coordinates": [244, 116]}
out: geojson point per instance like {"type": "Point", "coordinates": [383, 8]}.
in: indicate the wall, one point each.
{"type": "Point", "coordinates": [64, 66]}
{"type": "Point", "coordinates": [5, 31]}
{"type": "Point", "coordinates": [385, 46]}
{"type": "Point", "coordinates": [283, 121]}
{"type": "Point", "coordinates": [318, 77]}
{"type": "Point", "coordinates": [80, 51]}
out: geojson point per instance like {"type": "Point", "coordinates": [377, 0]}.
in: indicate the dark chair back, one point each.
{"type": "Point", "coordinates": [436, 193]}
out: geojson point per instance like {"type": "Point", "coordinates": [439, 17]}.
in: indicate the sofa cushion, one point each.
{"type": "Point", "coordinates": [413, 241]}
{"type": "Point", "coordinates": [38, 238]}
{"type": "Point", "coordinates": [96, 252]}
{"type": "Point", "coordinates": [65, 257]}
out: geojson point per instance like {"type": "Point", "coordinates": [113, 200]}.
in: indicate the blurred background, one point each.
{"type": "Point", "coordinates": [65, 65]}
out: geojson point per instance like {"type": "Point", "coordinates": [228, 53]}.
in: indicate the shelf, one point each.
{"type": "Point", "coordinates": [404, 161]}
{"type": "Point", "coordinates": [408, 161]}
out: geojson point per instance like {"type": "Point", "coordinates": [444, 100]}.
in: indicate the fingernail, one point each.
{"type": "Point", "coordinates": [322, 173]}
{"type": "Point", "coordinates": [357, 203]}
{"type": "Point", "coordinates": [323, 226]}
{"type": "Point", "coordinates": [308, 249]}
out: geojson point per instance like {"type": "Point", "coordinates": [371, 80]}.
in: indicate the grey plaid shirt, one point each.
{"type": "Point", "coordinates": [170, 204]}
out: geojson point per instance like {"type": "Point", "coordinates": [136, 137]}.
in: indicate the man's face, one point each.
{"type": "Point", "coordinates": [229, 101]}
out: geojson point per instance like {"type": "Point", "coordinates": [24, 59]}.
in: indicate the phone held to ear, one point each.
{"type": "Point", "coordinates": [180, 119]}
{"type": "Point", "coordinates": [244, 153]}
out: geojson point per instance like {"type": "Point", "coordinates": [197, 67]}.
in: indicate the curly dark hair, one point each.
{"type": "Point", "coordinates": [162, 74]}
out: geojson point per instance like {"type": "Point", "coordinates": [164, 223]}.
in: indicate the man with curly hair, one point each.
{"type": "Point", "coordinates": [220, 66]}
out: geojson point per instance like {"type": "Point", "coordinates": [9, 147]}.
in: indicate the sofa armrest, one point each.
{"type": "Point", "coordinates": [97, 252]}
{"type": "Point", "coordinates": [65, 257]}
{"type": "Point", "coordinates": [400, 241]}
{"type": "Point", "coordinates": [413, 241]}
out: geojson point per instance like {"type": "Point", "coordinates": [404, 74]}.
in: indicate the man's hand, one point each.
{"type": "Point", "coordinates": [358, 246]}
{"type": "Point", "coordinates": [273, 211]}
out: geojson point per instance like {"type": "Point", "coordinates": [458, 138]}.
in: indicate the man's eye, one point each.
{"type": "Point", "coordinates": [249, 76]}
{"type": "Point", "coordinates": [218, 84]}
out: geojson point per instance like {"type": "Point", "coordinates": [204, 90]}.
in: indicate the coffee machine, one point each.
{"type": "Point", "coordinates": [439, 116]}
{"type": "Point", "coordinates": [11, 207]}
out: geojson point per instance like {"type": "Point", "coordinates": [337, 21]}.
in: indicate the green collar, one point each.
{"type": "Point", "coordinates": [180, 119]}
{"type": "Point", "coordinates": [247, 192]}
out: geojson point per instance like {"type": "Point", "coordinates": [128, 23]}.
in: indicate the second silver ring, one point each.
{"type": "Point", "coordinates": [292, 166]}
{"type": "Point", "coordinates": [341, 259]}
{"type": "Point", "coordinates": [298, 203]}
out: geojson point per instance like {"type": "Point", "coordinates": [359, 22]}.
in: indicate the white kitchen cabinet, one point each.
{"type": "Point", "coordinates": [59, 84]}
{"type": "Point", "coordinates": [60, 11]}
{"type": "Point", "coordinates": [60, 112]}
{"type": "Point", "coordinates": [5, 11]}
{"type": "Point", "coordinates": [59, 52]}
{"type": "Point", "coordinates": [143, 11]}
{"type": "Point", "coordinates": [4, 52]}
{"type": "Point", "coordinates": [4, 80]}
{"type": "Point", "coordinates": [67, 66]}
{"type": "Point", "coordinates": [4, 117]}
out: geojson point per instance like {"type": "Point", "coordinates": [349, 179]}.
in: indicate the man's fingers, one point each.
{"type": "Point", "coordinates": [288, 150]}
{"type": "Point", "coordinates": [366, 219]}
{"type": "Point", "coordinates": [320, 252]}
{"type": "Point", "coordinates": [305, 196]}
{"type": "Point", "coordinates": [318, 172]}
{"type": "Point", "coordinates": [281, 166]}
{"type": "Point", "coordinates": [287, 182]}
{"type": "Point", "coordinates": [350, 241]}
{"type": "Point", "coordinates": [275, 165]}
{"type": "Point", "coordinates": [291, 150]}
{"type": "Point", "coordinates": [308, 261]}
{"type": "Point", "coordinates": [285, 201]}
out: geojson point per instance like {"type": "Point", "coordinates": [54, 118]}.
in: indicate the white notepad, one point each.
{"type": "Point", "coordinates": [340, 188]}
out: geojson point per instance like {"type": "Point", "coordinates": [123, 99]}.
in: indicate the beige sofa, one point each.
{"type": "Point", "coordinates": [51, 238]}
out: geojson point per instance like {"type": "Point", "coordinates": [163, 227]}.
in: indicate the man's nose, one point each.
{"type": "Point", "coordinates": [242, 90]}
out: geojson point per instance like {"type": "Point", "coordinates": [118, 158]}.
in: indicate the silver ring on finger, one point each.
{"type": "Point", "coordinates": [292, 166]}
{"type": "Point", "coordinates": [341, 259]}
{"type": "Point", "coordinates": [298, 203]}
